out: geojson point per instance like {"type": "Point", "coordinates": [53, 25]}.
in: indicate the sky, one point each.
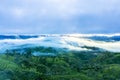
{"type": "Point", "coordinates": [59, 16]}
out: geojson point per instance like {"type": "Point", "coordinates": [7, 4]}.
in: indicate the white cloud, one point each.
{"type": "Point", "coordinates": [18, 13]}
{"type": "Point", "coordinates": [71, 42]}
{"type": "Point", "coordinates": [62, 8]}
{"type": "Point", "coordinates": [110, 46]}
{"type": "Point", "coordinates": [70, 15]}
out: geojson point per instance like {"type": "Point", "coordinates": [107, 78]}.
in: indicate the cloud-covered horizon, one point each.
{"type": "Point", "coordinates": [71, 42]}
{"type": "Point", "coordinates": [59, 16]}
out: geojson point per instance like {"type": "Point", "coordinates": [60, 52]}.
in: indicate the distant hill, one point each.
{"type": "Point", "coordinates": [79, 42]}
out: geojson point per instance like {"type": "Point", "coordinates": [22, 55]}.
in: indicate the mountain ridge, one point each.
{"type": "Point", "coordinates": [69, 41]}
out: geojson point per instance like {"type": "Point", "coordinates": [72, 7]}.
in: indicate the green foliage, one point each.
{"type": "Point", "coordinates": [69, 65]}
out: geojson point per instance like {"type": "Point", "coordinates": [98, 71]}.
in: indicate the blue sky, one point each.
{"type": "Point", "coordinates": [59, 16]}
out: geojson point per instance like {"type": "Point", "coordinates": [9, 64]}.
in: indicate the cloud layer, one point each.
{"type": "Point", "coordinates": [59, 16]}
{"type": "Point", "coordinates": [72, 42]}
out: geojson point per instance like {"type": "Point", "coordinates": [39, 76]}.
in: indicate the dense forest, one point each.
{"type": "Point", "coordinates": [59, 64]}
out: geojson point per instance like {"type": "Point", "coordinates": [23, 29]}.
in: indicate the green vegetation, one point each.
{"type": "Point", "coordinates": [64, 65]}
